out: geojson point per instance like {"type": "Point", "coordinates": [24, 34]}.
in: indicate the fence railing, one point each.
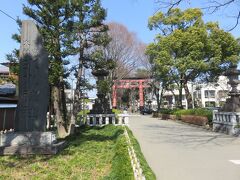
{"type": "Point", "coordinates": [104, 119]}
{"type": "Point", "coordinates": [227, 122]}
{"type": "Point", "coordinates": [228, 118]}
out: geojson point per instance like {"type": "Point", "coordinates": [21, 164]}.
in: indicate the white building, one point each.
{"type": "Point", "coordinates": [204, 95]}
{"type": "Point", "coordinates": [88, 102]}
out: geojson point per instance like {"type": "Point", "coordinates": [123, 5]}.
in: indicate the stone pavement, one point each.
{"type": "Point", "coordinates": [178, 151]}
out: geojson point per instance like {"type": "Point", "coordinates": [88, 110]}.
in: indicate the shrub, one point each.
{"type": "Point", "coordinates": [168, 111]}
{"type": "Point", "coordinates": [81, 117]}
{"type": "Point", "coordinates": [116, 111]}
{"type": "Point", "coordinates": [197, 112]}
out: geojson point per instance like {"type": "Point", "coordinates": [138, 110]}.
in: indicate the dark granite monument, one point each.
{"type": "Point", "coordinates": [33, 81]}
{"type": "Point", "coordinates": [29, 136]}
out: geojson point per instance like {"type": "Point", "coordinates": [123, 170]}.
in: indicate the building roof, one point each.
{"type": "Point", "coordinates": [6, 89]}
{"type": "Point", "coordinates": [4, 69]}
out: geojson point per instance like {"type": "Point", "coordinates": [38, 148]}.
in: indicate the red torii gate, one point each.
{"type": "Point", "coordinates": [130, 84]}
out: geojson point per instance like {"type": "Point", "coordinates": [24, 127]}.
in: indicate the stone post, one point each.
{"type": "Point", "coordinates": [33, 81]}
{"type": "Point", "coordinates": [107, 120]}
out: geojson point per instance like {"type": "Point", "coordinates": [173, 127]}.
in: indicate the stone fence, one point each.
{"type": "Point", "coordinates": [226, 122]}
{"type": "Point", "coordinates": [105, 119]}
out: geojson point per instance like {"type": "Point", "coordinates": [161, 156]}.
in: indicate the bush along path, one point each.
{"type": "Point", "coordinates": [93, 153]}
{"type": "Point", "coordinates": [198, 116]}
{"type": "Point", "coordinates": [137, 170]}
{"type": "Point", "coordinates": [147, 171]}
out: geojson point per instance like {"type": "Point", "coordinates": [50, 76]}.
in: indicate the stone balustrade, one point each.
{"type": "Point", "coordinates": [226, 122]}
{"type": "Point", "coordinates": [105, 119]}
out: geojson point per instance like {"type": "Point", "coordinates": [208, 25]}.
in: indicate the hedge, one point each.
{"type": "Point", "coordinates": [197, 112]}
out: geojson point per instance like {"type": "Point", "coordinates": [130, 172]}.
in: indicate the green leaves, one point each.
{"type": "Point", "coordinates": [175, 19]}
{"type": "Point", "coordinates": [190, 46]}
{"type": "Point", "coordinates": [186, 49]}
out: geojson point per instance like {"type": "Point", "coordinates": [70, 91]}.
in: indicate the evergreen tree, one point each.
{"type": "Point", "coordinates": [52, 18]}
{"type": "Point", "coordinates": [88, 33]}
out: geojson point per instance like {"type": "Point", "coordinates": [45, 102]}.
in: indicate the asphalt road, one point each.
{"type": "Point", "coordinates": [178, 151]}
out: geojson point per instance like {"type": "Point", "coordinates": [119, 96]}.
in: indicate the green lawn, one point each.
{"type": "Point", "coordinates": [93, 153]}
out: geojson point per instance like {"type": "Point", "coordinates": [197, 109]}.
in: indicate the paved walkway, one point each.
{"type": "Point", "coordinates": [181, 152]}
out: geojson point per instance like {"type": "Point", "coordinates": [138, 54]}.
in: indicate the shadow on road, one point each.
{"type": "Point", "coordinates": [170, 132]}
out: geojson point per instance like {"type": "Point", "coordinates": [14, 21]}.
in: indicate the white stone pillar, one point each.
{"type": "Point", "coordinates": [120, 120]}
{"type": "Point", "coordinates": [100, 120]}
{"type": "Point", "coordinates": [107, 120]}
{"type": "Point", "coordinates": [88, 120]}
{"type": "Point", "coordinates": [113, 120]}
{"type": "Point", "coordinates": [94, 120]}
{"type": "Point", "coordinates": [126, 120]}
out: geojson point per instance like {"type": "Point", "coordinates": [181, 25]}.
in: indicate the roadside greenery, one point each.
{"type": "Point", "coordinates": [121, 163]}
{"type": "Point", "coordinates": [116, 111]}
{"type": "Point", "coordinates": [92, 153]}
{"type": "Point", "coordinates": [197, 112]}
{"type": "Point", "coordinates": [168, 111]}
{"type": "Point", "coordinates": [147, 171]}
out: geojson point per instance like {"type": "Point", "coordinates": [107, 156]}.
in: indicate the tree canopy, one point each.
{"type": "Point", "coordinates": [187, 49]}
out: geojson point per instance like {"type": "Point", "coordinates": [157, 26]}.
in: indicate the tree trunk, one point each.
{"type": "Point", "coordinates": [77, 95]}
{"type": "Point", "coordinates": [156, 92]}
{"type": "Point", "coordinates": [188, 96]}
{"type": "Point", "coordinates": [180, 96]}
{"type": "Point", "coordinates": [57, 103]}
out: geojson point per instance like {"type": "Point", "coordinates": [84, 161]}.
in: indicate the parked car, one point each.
{"type": "Point", "coordinates": [146, 110]}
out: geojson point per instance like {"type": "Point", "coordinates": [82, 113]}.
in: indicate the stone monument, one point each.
{"type": "Point", "coordinates": [227, 119]}
{"type": "Point", "coordinates": [29, 136]}
{"type": "Point", "coordinates": [33, 81]}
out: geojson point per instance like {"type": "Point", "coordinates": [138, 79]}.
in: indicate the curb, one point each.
{"type": "Point", "coordinates": [137, 170]}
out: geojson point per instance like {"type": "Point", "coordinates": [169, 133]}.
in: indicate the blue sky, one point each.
{"type": "Point", "coordinates": [132, 13]}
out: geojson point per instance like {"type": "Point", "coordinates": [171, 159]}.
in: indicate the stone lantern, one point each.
{"type": "Point", "coordinates": [233, 103]}
{"type": "Point", "coordinates": [227, 119]}
{"type": "Point", "coordinates": [101, 105]}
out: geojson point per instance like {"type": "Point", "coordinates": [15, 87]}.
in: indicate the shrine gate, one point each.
{"type": "Point", "coordinates": [130, 84]}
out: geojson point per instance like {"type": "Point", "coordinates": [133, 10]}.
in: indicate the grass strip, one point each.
{"type": "Point", "coordinates": [147, 171]}
{"type": "Point", "coordinates": [93, 153]}
{"type": "Point", "coordinates": [121, 164]}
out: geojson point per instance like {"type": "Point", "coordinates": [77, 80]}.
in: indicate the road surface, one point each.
{"type": "Point", "coordinates": [177, 151]}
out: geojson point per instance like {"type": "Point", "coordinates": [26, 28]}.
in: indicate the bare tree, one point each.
{"type": "Point", "coordinates": [123, 50]}
{"type": "Point", "coordinates": [144, 59]}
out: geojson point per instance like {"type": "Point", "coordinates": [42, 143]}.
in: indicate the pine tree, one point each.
{"type": "Point", "coordinates": [88, 33]}
{"type": "Point", "coordinates": [52, 17]}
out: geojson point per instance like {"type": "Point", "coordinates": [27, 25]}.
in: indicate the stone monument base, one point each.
{"type": "Point", "coordinates": [26, 143]}
{"type": "Point", "coordinates": [226, 122]}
